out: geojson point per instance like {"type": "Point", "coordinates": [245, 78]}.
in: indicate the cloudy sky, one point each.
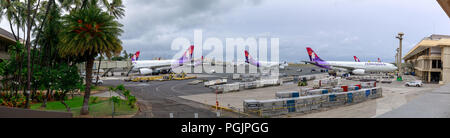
{"type": "Point", "coordinates": [335, 29]}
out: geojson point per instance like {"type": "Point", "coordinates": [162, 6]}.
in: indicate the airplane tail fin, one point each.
{"type": "Point", "coordinates": [191, 51]}
{"type": "Point", "coordinates": [247, 56]}
{"type": "Point", "coordinates": [135, 57]}
{"type": "Point", "coordinates": [250, 60]}
{"type": "Point", "coordinates": [312, 55]}
{"type": "Point", "coordinates": [185, 58]}
{"type": "Point", "coordinates": [356, 59]}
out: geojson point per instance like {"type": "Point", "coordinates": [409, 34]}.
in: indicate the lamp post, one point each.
{"type": "Point", "coordinates": [397, 56]}
{"type": "Point", "coordinates": [400, 69]}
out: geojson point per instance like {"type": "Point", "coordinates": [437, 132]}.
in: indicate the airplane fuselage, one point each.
{"type": "Point", "coordinates": [366, 66]}
{"type": "Point", "coordinates": [152, 63]}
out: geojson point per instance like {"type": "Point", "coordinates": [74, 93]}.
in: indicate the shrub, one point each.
{"type": "Point", "coordinates": [115, 99]}
{"type": "Point", "coordinates": [94, 100]}
{"type": "Point", "coordinates": [111, 88]}
{"type": "Point", "coordinates": [120, 87]}
{"type": "Point", "coordinates": [132, 101]}
{"type": "Point", "coordinates": [126, 93]}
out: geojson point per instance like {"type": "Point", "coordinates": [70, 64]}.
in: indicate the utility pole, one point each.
{"type": "Point", "coordinates": [400, 68]}
{"type": "Point", "coordinates": [396, 56]}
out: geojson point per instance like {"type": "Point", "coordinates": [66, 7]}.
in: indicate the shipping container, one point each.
{"type": "Point", "coordinates": [236, 76]}
{"type": "Point", "coordinates": [251, 106]}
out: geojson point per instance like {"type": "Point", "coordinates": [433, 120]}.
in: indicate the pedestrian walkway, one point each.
{"type": "Point", "coordinates": [435, 104]}
{"type": "Point", "coordinates": [108, 94]}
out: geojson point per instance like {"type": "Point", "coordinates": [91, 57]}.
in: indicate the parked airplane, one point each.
{"type": "Point", "coordinates": [358, 68]}
{"type": "Point", "coordinates": [251, 61]}
{"type": "Point", "coordinates": [146, 67]}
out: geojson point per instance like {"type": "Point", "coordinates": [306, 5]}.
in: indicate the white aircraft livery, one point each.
{"type": "Point", "coordinates": [146, 67]}
{"type": "Point", "coordinates": [251, 61]}
{"type": "Point", "coordinates": [358, 68]}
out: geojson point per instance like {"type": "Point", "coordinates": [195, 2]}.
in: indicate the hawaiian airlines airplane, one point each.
{"type": "Point", "coordinates": [251, 61]}
{"type": "Point", "coordinates": [358, 68]}
{"type": "Point", "coordinates": [146, 67]}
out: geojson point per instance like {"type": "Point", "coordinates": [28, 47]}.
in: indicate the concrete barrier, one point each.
{"type": "Point", "coordinates": [290, 94]}
{"type": "Point", "coordinates": [305, 104]}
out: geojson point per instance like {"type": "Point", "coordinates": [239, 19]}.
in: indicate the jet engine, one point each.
{"type": "Point", "coordinates": [146, 71]}
{"type": "Point", "coordinates": [358, 71]}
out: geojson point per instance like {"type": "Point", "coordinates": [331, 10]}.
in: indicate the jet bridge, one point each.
{"type": "Point", "coordinates": [107, 66]}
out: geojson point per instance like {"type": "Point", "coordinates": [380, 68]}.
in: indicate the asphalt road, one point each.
{"type": "Point", "coordinates": [160, 99]}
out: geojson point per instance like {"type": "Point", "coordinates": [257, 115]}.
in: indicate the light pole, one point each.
{"type": "Point", "coordinates": [400, 69]}
{"type": "Point", "coordinates": [396, 56]}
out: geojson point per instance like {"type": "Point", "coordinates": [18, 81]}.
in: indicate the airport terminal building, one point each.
{"type": "Point", "coordinates": [6, 39]}
{"type": "Point", "coordinates": [430, 59]}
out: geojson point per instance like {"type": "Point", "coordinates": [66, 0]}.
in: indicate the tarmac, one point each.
{"type": "Point", "coordinates": [178, 99]}
{"type": "Point", "coordinates": [435, 104]}
{"type": "Point", "coordinates": [163, 99]}
{"type": "Point", "coordinates": [395, 95]}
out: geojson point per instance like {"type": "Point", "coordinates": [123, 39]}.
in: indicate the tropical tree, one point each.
{"type": "Point", "coordinates": [68, 80]}
{"type": "Point", "coordinates": [88, 32]}
{"type": "Point", "coordinates": [113, 7]}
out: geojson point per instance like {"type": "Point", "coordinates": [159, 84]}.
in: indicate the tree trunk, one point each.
{"type": "Point", "coordinates": [67, 107]}
{"type": "Point", "coordinates": [27, 91]}
{"type": "Point", "coordinates": [44, 102]}
{"type": "Point", "coordinates": [87, 92]}
{"type": "Point", "coordinates": [12, 30]}
{"type": "Point", "coordinates": [19, 77]}
{"type": "Point", "coordinates": [63, 102]}
{"type": "Point", "coordinates": [38, 36]}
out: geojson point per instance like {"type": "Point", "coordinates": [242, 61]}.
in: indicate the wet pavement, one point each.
{"type": "Point", "coordinates": [435, 104]}
{"type": "Point", "coordinates": [160, 99]}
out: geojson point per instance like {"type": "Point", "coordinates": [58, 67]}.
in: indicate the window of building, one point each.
{"type": "Point", "coordinates": [437, 64]}
{"type": "Point", "coordinates": [2, 46]}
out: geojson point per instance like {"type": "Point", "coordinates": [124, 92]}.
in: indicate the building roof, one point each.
{"type": "Point", "coordinates": [445, 4]}
{"type": "Point", "coordinates": [6, 35]}
{"type": "Point", "coordinates": [427, 42]}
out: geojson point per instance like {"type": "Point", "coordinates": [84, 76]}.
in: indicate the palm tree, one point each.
{"type": "Point", "coordinates": [70, 5]}
{"type": "Point", "coordinates": [2, 13]}
{"type": "Point", "coordinates": [11, 11]}
{"type": "Point", "coordinates": [86, 33]}
{"type": "Point", "coordinates": [113, 7]}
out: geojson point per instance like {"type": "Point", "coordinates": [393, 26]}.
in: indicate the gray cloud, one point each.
{"type": "Point", "coordinates": [335, 29]}
{"type": "Point", "coordinates": [150, 26]}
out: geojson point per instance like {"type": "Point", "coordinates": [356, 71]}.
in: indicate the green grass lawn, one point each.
{"type": "Point", "coordinates": [103, 108]}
